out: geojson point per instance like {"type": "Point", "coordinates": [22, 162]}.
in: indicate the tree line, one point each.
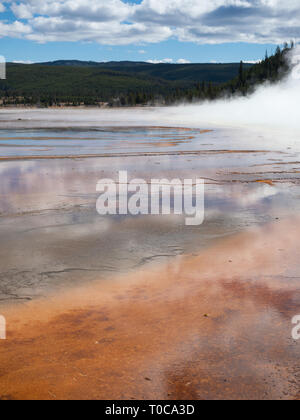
{"type": "Point", "coordinates": [106, 89]}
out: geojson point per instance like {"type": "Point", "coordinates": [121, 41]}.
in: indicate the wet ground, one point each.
{"type": "Point", "coordinates": [152, 308]}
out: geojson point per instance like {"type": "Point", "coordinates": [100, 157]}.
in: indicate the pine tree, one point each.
{"type": "Point", "coordinates": [241, 74]}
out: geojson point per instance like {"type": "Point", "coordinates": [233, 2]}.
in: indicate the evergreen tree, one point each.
{"type": "Point", "coordinates": [241, 74]}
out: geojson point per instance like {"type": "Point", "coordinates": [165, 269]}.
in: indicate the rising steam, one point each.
{"type": "Point", "coordinates": [271, 106]}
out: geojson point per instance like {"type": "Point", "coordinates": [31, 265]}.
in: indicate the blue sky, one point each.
{"type": "Point", "coordinates": [145, 30]}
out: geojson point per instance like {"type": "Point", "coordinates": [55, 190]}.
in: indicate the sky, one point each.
{"type": "Point", "coordinates": [170, 31]}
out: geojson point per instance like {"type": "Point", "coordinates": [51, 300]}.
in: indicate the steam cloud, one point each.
{"type": "Point", "coordinates": [271, 106]}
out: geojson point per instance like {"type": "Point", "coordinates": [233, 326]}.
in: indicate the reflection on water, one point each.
{"type": "Point", "coordinates": [213, 321]}
{"type": "Point", "coordinates": [53, 235]}
{"type": "Point", "coordinates": [105, 141]}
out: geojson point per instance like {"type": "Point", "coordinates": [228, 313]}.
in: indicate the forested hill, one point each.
{"type": "Point", "coordinates": [76, 83]}
{"type": "Point", "coordinates": [125, 83]}
{"type": "Point", "coordinates": [190, 73]}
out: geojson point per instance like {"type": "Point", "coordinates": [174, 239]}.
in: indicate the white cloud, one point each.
{"type": "Point", "coordinates": [22, 62]}
{"type": "Point", "coordinates": [183, 61]}
{"type": "Point", "coordinates": [94, 10]}
{"type": "Point", "coordinates": [114, 22]}
{"type": "Point", "coordinates": [169, 61]}
{"type": "Point", "coordinates": [14, 30]}
{"type": "Point", "coordinates": [252, 61]}
{"type": "Point", "coordinates": [163, 61]}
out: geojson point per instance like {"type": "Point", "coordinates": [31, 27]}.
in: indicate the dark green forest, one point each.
{"type": "Point", "coordinates": [74, 83]}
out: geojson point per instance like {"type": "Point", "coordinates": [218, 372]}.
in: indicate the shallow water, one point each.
{"type": "Point", "coordinates": [53, 235]}
{"type": "Point", "coordinates": [241, 267]}
{"type": "Point", "coordinates": [105, 141]}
